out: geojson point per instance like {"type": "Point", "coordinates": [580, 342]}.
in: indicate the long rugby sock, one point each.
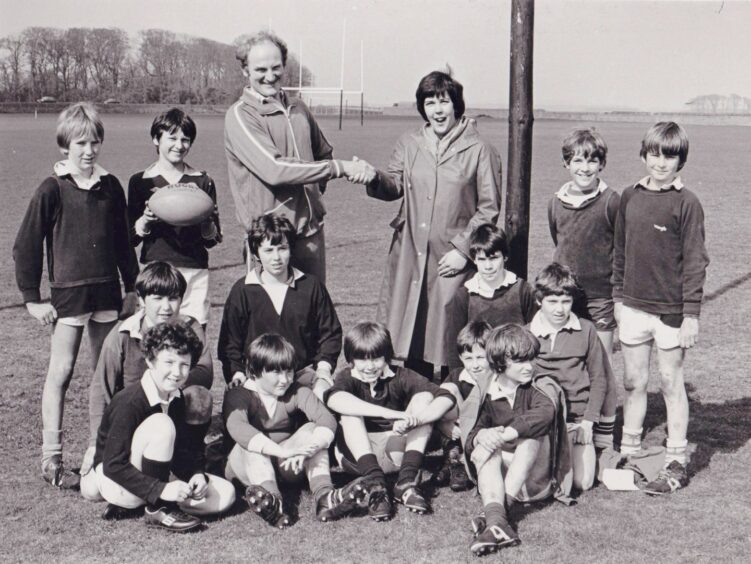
{"type": "Point", "coordinates": [272, 487]}
{"type": "Point", "coordinates": [320, 485]}
{"type": "Point", "coordinates": [52, 445]}
{"type": "Point", "coordinates": [495, 514]}
{"type": "Point", "coordinates": [603, 432]}
{"type": "Point", "coordinates": [367, 465]}
{"type": "Point", "coordinates": [676, 450]}
{"type": "Point", "coordinates": [158, 469]}
{"type": "Point", "coordinates": [411, 464]}
{"type": "Point", "coordinates": [631, 440]}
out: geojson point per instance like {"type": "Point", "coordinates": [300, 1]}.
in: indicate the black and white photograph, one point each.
{"type": "Point", "coordinates": [375, 281]}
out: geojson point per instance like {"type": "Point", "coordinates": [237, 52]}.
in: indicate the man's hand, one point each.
{"type": "Point", "coordinates": [689, 333]}
{"type": "Point", "coordinates": [406, 424]}
{"type": "Point", "coordinates": [452, 263]}
{"type": "Point", "coordinates": [238, 379]}
{"type": "Point", "coordinates": [358, 171]}
{"type": "Point", "coordinates": [46, 314]}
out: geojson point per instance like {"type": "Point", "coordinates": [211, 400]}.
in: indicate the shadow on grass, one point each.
{"type": "Point", "coordinates": [712, 427]}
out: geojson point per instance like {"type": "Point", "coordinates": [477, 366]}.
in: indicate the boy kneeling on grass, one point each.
{"type": "Point", "coordinates": [160, 288]}
{"type": "Point", "coordinates": [572, 353]}
{"type": "Point", "coordinates": [386, 416]}
{"type": "Point", "coordinates": [502, 446]}
{"type": "Point", "coordinates": [281, 428]}
{"type": "Point", "coordinates": [145, 436]}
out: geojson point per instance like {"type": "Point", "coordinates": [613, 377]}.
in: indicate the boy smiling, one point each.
{"type": "Point", "coordinates": [659, 269]}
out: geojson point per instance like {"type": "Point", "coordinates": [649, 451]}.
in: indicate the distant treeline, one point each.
{"type": "Point", "coordinates": [155, 66]}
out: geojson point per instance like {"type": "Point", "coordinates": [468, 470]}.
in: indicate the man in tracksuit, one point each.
{"type": "Point", "coordinates": [279, 160]}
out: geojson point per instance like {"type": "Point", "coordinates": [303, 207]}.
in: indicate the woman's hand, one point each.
{"type": "Point", "coordinates": [452, 263]}
{"type": "Point", "coordinates": [358, 171]}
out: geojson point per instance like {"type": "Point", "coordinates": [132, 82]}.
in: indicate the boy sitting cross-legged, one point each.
{"type": "Point", "coordinates": [386, 415]}
{"type": "Point", "coordinates": [460, 383]}
{"type": "Point", "coordinates": [276, 298]}
{"type": "Point", "coordinates": [160, 288]}
{"type": "Point", "coordinates": [503, 438]}
{"type": "Point", "coordinates": [281, 429]}
{"type": "Point", "coordinates": [573, 355]}
{"type": "Point", "coordinates": [145, 436]}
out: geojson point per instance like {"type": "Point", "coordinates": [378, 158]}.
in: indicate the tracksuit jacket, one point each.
{"type": "Point", "coordinates": [279, 161]}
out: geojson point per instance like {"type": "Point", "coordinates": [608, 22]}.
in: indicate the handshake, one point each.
{"type": "Point", "coordinates": [358, 171]}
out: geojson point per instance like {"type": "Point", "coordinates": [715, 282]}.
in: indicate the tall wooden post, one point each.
{"type": "Point", "coordinates": [520, 118]}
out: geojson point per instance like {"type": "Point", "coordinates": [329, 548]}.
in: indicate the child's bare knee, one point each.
{"type": "Point", "coordinates": [671, 382]}
{"type": "Point", "coordinates": [59, 373]}
{"type": "Point", "coordinates": [90, 488]}
{"type": "Point", "coordinates": [634, 382]}
{"type": "Point", "coordinates": [198, 405]}
{"type": "Point", "coordinates": [160, 427]}
{"type": "Point", "coordinates": [584, 482]}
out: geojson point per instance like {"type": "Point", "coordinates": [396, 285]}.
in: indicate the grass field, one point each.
{"type": "Point", "coordinates": [709, 521]}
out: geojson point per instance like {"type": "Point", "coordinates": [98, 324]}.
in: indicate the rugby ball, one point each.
{"type": "Point", "coordinates": [181, 204]}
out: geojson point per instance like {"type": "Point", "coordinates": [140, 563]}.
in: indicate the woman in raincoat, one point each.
{"type": "Point", "coordinates": [449, 180]}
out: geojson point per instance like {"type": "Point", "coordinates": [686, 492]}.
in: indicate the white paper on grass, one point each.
{"type": "Point", "coordinates": [619, 480]}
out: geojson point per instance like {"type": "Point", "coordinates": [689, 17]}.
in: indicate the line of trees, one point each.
{"type": "Point", "coordinates": [155, 66]}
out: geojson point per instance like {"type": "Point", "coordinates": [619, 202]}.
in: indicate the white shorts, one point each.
{"type": "Point", "coordinates": [103, 316]}
{"type": "Point", "coordinates": [114, 493]}
{"type": "Point", "coordinates": [196, 300]}
{"type": "Point", "coordinates": [636, 327]}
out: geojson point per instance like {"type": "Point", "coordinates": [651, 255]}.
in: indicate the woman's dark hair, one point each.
{"type": "Point", "coordinates": [367, 340]}
{"type": "Point", "coordinates": [269, 352]}
{"type": "Point", "coordinates": [438, 83]}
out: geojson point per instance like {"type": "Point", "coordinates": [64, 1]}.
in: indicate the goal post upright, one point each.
{"type": "Point", "coordinates": [520, 119]}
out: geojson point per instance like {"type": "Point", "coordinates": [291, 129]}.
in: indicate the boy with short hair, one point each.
{"type": "Point", "coordinates": [504, 432]}
{"type": "Point", "coordinates": [173, 132]}
{"type": "Point", "coordinates": [279, 429]}
{"type": "Point", "coordinates": [475, 371]}
{"type": "Point", "coordinates": [493, 294]}
{"type": "Point", "coordinates": [582, 217]}
{"type": "Point", "coordinates": [276, 298]}
{"type": "Point", "coordinates": [573, 355]}
{"type": "Point", "coordinates": [145, 436]}
{"type": "Point", "coordinates": [160, 288]}
{"type": "Point", "coordinates": [79, 213]}
{"type": "Point", "coordinates": [385, 419]}
{"type": "Point", "coordinates": [659, 269]}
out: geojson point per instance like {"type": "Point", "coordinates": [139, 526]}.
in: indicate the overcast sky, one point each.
{"type": "Point", "coordinates": [588, 53]}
